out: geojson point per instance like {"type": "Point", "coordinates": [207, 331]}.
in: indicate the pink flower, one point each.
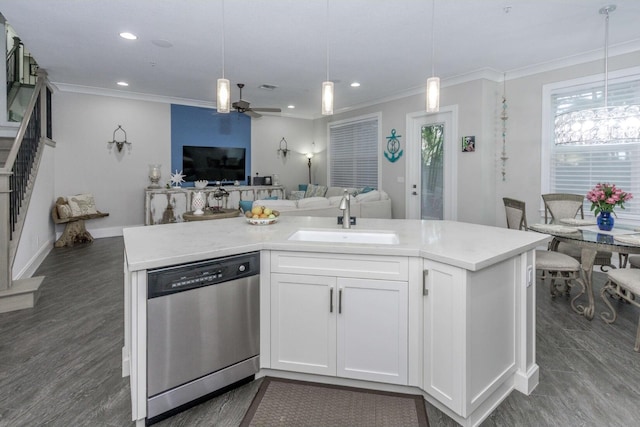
{"type": "Point", "coordinates": [605, 197]}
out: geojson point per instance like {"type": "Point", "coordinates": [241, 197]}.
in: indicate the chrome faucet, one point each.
{"type": "Point", "coordinates": [345, 207]}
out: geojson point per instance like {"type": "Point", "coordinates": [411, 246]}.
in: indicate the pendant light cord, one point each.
{"type": "Point", "coordinates": [327, 39]}
{"type": "Point", "coordinates": [606, 59]}
{"type": "Point", "coordinates": [223, 39]}
{"type": "Point", "coordinates": [433, 43]}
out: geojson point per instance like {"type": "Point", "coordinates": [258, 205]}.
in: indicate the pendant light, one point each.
{"type": "Point", "coordinates": [433, 83]}
{"type": "Point", "coordinates": [327, 86]}
{"type": "Point", "coordinates": [603, 125]}
{"type": "Point", "coordinates": [223, 88]}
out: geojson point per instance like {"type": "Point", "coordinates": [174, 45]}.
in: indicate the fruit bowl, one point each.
{"type": "Point", "coordinates": [260, 215]}
{"type": "Point", "coordinates": [262, 221]}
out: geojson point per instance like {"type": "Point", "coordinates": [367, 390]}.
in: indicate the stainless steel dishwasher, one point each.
{"type": "Point", "coordinates": [202, 330]}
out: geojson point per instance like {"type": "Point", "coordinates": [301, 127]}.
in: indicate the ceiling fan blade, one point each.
{"type": "Point", "coordinates": [253, 114]}
{"type": "Point", "coordinates": [268, 110]}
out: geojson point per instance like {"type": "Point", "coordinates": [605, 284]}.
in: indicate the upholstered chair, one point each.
{"type": "Point", "coordinates": [562, 270]}
{"type": "Point", "coordinates": [562, 208]}
{"type": "Point", "coordinates": [623, 283]}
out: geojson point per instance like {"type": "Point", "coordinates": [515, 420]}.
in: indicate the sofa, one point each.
{"type": "Point", "coordinates": [319, 201]}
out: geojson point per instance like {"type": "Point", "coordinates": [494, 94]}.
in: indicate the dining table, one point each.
{"type": "Point", "coordinates": [623, 239]}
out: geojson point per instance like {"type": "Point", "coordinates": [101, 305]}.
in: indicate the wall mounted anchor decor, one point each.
{"type": "Point", "coordinates": [119, 144]}
{"type": "Point", "coordinates": [393, 152]}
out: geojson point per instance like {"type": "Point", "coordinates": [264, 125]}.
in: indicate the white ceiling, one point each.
{"type": "Point", "coordinates": [384, 45]}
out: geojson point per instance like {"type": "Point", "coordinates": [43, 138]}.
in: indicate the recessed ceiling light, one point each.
{"type": "Point", "coordinates": [123, 84]}
{"type": "Point", "coordinates": [355, 84]}
{"type": "Point", "coordinates": [291, 106]}
{"type": "Point", "coordinates": [128, 36]}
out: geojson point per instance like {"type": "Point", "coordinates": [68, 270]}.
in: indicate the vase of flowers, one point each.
{"type": "Point", "coordinates": [604, 198]}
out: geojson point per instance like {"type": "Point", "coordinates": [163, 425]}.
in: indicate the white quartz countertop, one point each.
{"type": "Point", "coordinates": [469, 246]}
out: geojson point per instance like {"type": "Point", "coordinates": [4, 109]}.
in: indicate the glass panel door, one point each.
{"type": "Point", "coordinates": [432, 171]}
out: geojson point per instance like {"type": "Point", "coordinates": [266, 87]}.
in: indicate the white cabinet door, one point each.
{"type": "Point", "coordinates": [444, 307]}
{"type": "Point", "coordinates": [303, 323]}
{"type": "Point", "coordinates": [372, 330]}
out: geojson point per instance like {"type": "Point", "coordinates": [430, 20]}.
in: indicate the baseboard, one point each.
{"type": "Point", "coordinates": [526, 383]}
{"type": "Point", "coordinates": [30, 268]}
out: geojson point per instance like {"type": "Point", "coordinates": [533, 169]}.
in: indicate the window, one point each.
{"type": "Point", "coordinates": [353, 152]}
{"type": "Point", "coordinates": [577, 168]}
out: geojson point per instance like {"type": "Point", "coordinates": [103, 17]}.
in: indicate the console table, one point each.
{"type": "Point", "coordinates": [167, 205]}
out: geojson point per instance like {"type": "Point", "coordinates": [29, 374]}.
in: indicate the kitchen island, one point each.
{"type": "Point", "coordinates": [438, 308]}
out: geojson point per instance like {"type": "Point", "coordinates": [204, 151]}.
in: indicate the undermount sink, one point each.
{"type": "Point", "coordinates": [347, 236]}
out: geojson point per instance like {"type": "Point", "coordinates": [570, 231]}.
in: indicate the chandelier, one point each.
{"type": "Point", "coordinates": [604, 125]}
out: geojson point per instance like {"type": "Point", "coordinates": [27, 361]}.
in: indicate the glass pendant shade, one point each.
{"type": "Point", "coordinates": [599, 126]}
{"type": "Point", "coordinates": [327, 98]}
{"type": "Point", "coordinates": [223, 100]}
{"type": "Point", "coordinates": [603, 125]}
{"type": "Point", "coordinates": [433, 95]}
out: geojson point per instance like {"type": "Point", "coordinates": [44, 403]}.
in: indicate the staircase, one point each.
{"type": "Point", "coordinates": [19, 161]}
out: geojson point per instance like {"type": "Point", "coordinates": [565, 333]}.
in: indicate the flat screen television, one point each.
{"type": "Point", "coordinates": [213, 163]}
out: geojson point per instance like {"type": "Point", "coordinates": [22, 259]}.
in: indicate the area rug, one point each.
{"type": "Point", "coordinates": [288, 403]}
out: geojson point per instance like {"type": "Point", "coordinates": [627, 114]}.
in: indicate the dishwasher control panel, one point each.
{"type": "Point", "coordinates": [179, 278]}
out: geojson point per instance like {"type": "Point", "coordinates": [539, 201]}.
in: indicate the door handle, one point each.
{"type": "Point", "coordinates": [425, 290]}
{"type": "Point", "coordinates": [331, 300]}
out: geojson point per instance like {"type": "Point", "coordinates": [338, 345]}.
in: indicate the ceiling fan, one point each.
{"type": "Point", "coordinates": [242, 106]}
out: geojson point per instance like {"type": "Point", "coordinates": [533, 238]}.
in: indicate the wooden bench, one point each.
{"type": "Point", "coordinates": [75, 231]}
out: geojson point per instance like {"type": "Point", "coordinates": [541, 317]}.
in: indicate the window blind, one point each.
{"type": "Point", "coordinates": [354, 154]}
{"type": "Point", "coordinates": [577, 168]}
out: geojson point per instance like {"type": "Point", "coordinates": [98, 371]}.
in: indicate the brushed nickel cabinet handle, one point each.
{"type": "Point", "coordinates": [340, 301]}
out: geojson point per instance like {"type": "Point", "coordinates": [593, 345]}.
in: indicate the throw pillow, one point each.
{"type": "Point", "coordinates": [64, 211]}
{"type": "Point", "coordinates": [82, 204]}
{"type": "Point", "coordinates": [271, 198]}
{"type": "Point", "coordinates": [296, 195]}
{"type": "Point", "coordinates": [246, 205]}
{"type": "Point", "coordinates": [315, 191]}
{"type": "Point", "coordinates": [302, 187]}
{"type": "Point", "coordinates": [366, 190]}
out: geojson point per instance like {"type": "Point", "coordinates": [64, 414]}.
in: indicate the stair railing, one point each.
{"type": "Point", "coordinates": [16, 175]}
{"type": "Point", "coordinates": [13, 63]}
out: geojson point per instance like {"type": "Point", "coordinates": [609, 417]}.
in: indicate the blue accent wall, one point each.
{"type": "Point", "coordinates": [204, 127]}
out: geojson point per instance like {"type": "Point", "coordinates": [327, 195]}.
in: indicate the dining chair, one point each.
{"type": "Point", "coordinates": [556, 266]}
{"type": "Point", "coordinates": [566, 206]}
{"type": "Point", "coordinates": [623, 283]}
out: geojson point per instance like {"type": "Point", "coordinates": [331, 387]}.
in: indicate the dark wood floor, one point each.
{"type": "Point", "coordinates": [60, 362]}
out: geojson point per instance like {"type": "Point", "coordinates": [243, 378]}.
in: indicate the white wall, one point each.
{"type": "Point", "coordinates": [84, 163]}
{"type": "Point", "coordinates": [266, 134]}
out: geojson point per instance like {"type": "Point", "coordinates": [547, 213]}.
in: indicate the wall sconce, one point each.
{"type": "Point", "coordinates": [119, 144]}
{"type": "Point", "coordinates": [284, 150]}
{"type": "Point", "coordinates": [309, 157]}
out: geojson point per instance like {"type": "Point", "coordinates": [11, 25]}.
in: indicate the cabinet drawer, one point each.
{"type": "Point", "coordinates": [342, 265]}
